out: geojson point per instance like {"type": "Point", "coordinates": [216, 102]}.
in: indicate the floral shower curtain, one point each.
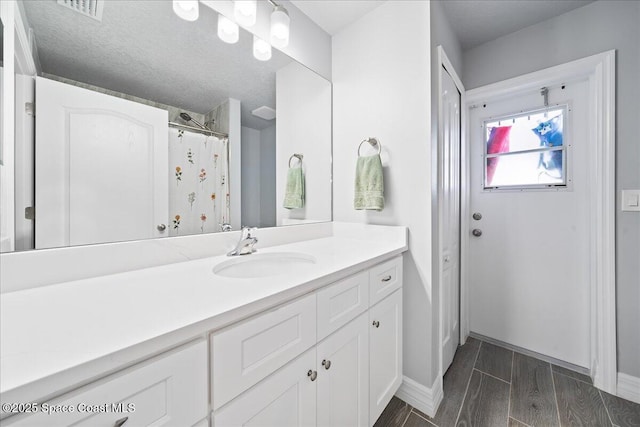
{"type": "Point", "coordinates": [199, 182]}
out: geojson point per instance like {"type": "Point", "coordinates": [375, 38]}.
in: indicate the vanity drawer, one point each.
{"type": "Point", "coordinates": [246, 353]}
{"type": "Point", "coordinates": [169, 390]}
{"type": "Point", "coordinates": [340, 303]}
{"type": "Point", "coordinates": [384, 279]}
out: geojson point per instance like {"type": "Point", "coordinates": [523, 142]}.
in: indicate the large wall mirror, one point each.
{"type": "Point", "coordinates": [138, 124]}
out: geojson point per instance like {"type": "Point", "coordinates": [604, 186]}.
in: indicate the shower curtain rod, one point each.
{"type": "Point", "coordinates": [195, 129]}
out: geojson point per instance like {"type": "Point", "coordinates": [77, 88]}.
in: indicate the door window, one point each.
{"type": "Point", "coordinates": [526, 150]}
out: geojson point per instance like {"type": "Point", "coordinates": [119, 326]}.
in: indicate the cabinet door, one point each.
{"type": "Point", "coordinates": [343, 376]}
{"type": "Point", "coordinates": [286, 398]}
{"type": "Point", "coordinates": [245, 353]}
{"type": "Point", "coordinates": [385, 344]}
{"type": "Point", "coordinates": [170, 390]}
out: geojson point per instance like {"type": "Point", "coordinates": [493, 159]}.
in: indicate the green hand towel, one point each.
{"type": "Point", "coordinates": [369, 191]}
{"type": "Point", "coordinates": [294, 193]}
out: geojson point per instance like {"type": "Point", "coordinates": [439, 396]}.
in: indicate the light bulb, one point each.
{"type": "Point", "coordinates": [227, 30]}
{"type": "Point", "coordinates": [280, 27]}
{"type": "Point", "coordinates": [245, 12]}
{"type": "Point", "coordinates": [261, 49]}
{"type": "Point", "coordinates": [186, 9]}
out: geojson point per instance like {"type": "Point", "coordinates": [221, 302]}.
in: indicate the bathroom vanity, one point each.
{"type": "Point", "coordinates": [218, 341]}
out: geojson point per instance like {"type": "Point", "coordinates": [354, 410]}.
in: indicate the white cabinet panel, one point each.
{"type": "Point", "coordinates": [385, 349]}
{"type": "Point", "coordinates": [384, 279]}
{"type": "Point", "coordinates": [286, 398]}
{"type": "Point", "coordinates": [170, 390]}
{"type": "Point", "coordinates": [342, 302]}
{"type": "Point", "coordinates": [343, 376]}
{"type": "Point", "coordinates": [245, 354]}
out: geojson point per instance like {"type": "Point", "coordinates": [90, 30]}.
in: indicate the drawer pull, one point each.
{"type": "Point", "coordinates": [312, 375]}
{"type": "Point", "coordinates": [326, 363]}
{"type": "Point", "coordinates": [376, 323]}
{"type": "Point", "coordinates": [386, 278]}
{"type": "Point", "coordinates": [121, 422]}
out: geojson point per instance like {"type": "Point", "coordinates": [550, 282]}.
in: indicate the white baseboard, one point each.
{"type": "Point", "coordinates": [629, 387]}
{"type": "Point", "coordinates": [421, 397]}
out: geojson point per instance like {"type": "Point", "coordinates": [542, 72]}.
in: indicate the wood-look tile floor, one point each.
{"type": "Point", "coordinates": [488, 385]}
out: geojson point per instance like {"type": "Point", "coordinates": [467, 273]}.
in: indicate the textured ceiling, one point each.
{"type": "Point", "coordinates": [333, 15]}
{"type": "Point", "coordinates": [143, 49]}
{"type": "Point", "coordinates": [478, 21]}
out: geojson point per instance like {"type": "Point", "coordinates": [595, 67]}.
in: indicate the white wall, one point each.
{"type": "Point", "coordinates": [250, 177]}
{"type": "Point", "coordinates": [381, 88]}
{"type": "Point", "coordinates": [303, 113]}
{"type": "Point", "coordinates": [595, 28]}
{"type": "Point", "coordinates": [308, 43]}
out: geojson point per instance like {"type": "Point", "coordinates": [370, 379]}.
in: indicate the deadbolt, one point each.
{"type": "Point", "coordinates": [477, 216]}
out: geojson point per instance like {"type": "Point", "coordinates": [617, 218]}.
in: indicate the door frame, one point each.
{"type": "Point", "coordinates": [445, 64]}
{"type": "Point", "coordinates": [600, 71]}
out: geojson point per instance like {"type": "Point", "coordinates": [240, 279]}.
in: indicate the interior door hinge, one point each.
{"type": "Point", "coordinates": [30, 108]}
{"type": "Point", "coordinates": [30, 213]}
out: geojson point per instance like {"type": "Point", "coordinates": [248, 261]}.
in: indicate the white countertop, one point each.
{"type": "Point", "coordinates": [55, 337]}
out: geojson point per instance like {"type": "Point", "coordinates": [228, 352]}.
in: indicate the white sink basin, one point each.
{"type": "Point", "coordinates": [264, 265]}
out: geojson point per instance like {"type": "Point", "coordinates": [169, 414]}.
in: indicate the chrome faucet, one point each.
{"type": "Point", "coordinates": [245, 245]}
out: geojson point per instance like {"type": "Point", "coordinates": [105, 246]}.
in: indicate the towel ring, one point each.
{"type": "Point", "coordinates": [373, 141]}
{"type": "Point", "coordinates": [297, 156]}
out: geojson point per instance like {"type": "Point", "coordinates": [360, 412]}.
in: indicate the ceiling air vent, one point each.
{"type": "Point", "coordinates": [90, 8]}
{"type": "Point", "coordinates": [264, 112]}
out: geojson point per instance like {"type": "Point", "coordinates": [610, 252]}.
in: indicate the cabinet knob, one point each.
{"type": "Point", "coordinates": [326, 363]}
{"type": "Point", "coordinates": [120, 422]}
{"type": "Point", "coordinates": [312, 375]}
{"type": "Point", "coordinates": [386, 278]}
{"type": "Point", "coordinates": [161, 228]}
{"type": "Point", "coordinates": [376, 323]}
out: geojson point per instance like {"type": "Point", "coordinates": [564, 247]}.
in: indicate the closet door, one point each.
{"type": "Point", "coordinates": [101, 167]}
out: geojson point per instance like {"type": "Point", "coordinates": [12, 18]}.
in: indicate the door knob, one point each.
{"type": "Point", "coordinates": [161, 227]}
{"type": "Point", "coordinates": [477, 216]}
{"type": "Point", "coordinates": [477, 232]}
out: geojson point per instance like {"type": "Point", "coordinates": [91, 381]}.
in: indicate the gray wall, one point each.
{"type": "Point", "coordinates": [598, 27]}
{"type": "Point", "coordinates": [268, 177]}
{"type": "Point", "coordinates": [259, 177]}
{"type": "Point", "coordinates": [250, 163]}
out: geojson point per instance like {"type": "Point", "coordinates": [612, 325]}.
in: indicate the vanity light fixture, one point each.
{"type": "Point", "coordinates": [245, 12]}
{"type": "Point", "coordinates": [228, 30]}
{"type": "Point", "coordinates": [186, 9]}
{"type": "Point", "coordinates": [261, 49]}
{"type": "Point", "coordinates": [280, 23]}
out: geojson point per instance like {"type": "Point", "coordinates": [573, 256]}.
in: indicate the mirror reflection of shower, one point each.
{"type": "Point", "coordinates": [187, 118]}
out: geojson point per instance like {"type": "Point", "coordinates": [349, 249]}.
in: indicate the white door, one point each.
{"type": "Point", "coordinates": [342, 362]}
{"type": "Point", "coordinates": [101, 167]}
{"type": "Point", "coordinates": [528, 278]}
{"type": "Point", "coordinates": [385, 349]}
{"type": "Point", "coordinates": [449, 148]}
{"type": "Point", "coordinates": [286, 398]}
